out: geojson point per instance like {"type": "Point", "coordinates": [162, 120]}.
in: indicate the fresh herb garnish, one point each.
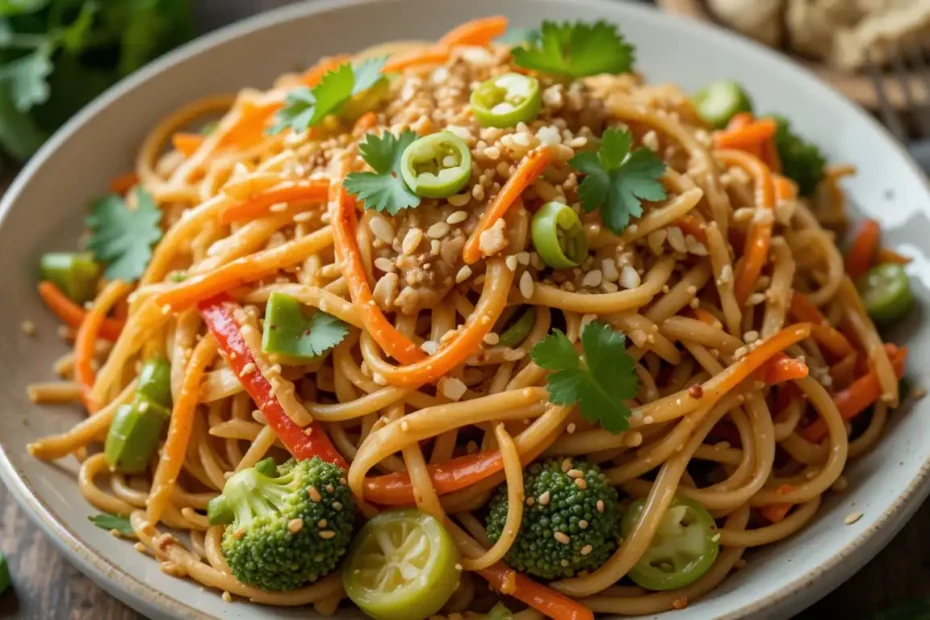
{"type": "Point", "coordinates": [290, 331]}
{"type": "Point", "coordinates": [384, 189]}
{"type": "Point", "coordinates": [122, 236]}
{"type": "Point", "coordinates": [307, 107]}
{"type": "Point", "coordinates": [600, 381]}
{"type": "Point", "coordinates": [57, 56]}
{"type": "Point", "coordinates": [801, 160]}
{"type": "Point", "coordinates": [619, 179]}
{"type": "Point", "coordinates": [113, 522]}
{"type": "Point", "coordinates": [575, 50]}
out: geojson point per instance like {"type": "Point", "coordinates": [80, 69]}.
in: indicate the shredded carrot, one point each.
{"type": "Point", "coordinates": [692, 225]}
{"type": "Point", "coordinates": [386, 335]}
{"type": "Point", "coordinates": [85, 342]}
{"type": "Point", "coordinates": [312, 76]}
{"type": "Point", "coordinates": [541, 598]}
{"type": "Point", "coordinates": [863, 249]}
{"type": "Point", "coordinates": [186, 143]}
{"type": "Point", "coordinates": [844, 372]}
{"type": "Point", "coordinates": [781, 369]}
{"type": "Point", "coordinates": [72, 314]}
{"type": "Point", "coordinates": [527, 171]}
{"type": "Point", "coordinates": [759, 240]}
{"type": "Point", "coordinates": [785, 188]}
{"type": "Point", "coordinates": [365, 122]}
{"type": "Point", "coordinates": [124, 182]}
{"type": "Point", "coordinates": [824, 333]}
{"type": "Point", "coordinates": [768, 152]}
{"type": "Point", "coordinates": [887, 255]}
{"type": "Point", "coordinates": [752, 135]}
{"type": "Point", "coordinates": [179, 429]}
{"type": "Point", "coordinates": [429, 56]}
{"type": "Point", "coordinates": [756, 358]}
{"type": "Point", "coordinates": [479, 31]}
{"type": "Point", "coordinates": [249, 128]}
{"type": "Point", "coordinates": [261, 204]}
{"type": "Point", "coordinates": [776, 513]}
{"type": "Point", "coordinates": [739, 121]}
{"type": "Point", "coordinates": [859, 396]}
{"type": "Point", "coordinates": [704, 316]}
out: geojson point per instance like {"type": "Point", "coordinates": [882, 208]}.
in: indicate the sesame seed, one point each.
{"type": "Point", "coordinates": [600, 505]}
{"type": "Point", "coordinates": [530, 500]}
{"type": "Point", "coordinates": [429, 347]}
{"type": "Point", "coordinates": [327, 534]}
{"type": "Point", "coordinates": [458, 566]}
{"type": "Point", "coordinates": [227, 596]}
{"type": "Point", "coordinates": [715, 537]}
{"type": "Point", "coordinates": [592, 278]}
{"type": "Point", "coordinates": [511, 262]}
{"type": "Point", "coordinates": [581, 484]}
{"type": "Point", "coordinates": [680, 603]}
{"type": "Point", "coordinates": [586, 549]}
{"type": "Point", "coordinates": [457, 218]}
{"type": "Point", "coordinates": [438, 230]}
{"type": "Point", "coordinates": [852, 518]}
{"type": "Point", "coordinates": [609, 269]}
{"type": "Point", "coordinates": [295, 525]}
{"type": "Point", "coordinates": [411, 241]}
{"type": "Point", "coordinates": [566, 465]}
{"type": "Point", "coordinates": [677, 240]}
{"type": "Point", "coordinates": [633, 440]}
{"type": "Point", "coordinates": [29, 328]}
{"type": "Point", "coordinates": [384, 264]}
{"type": "Point", "coordinates": [492, 152]}
{"type": "Point", "coordinates": [463, 274]}
{"type": "Point", "coordinates": [575, 473]}
{"type": "Point", "coordinates": [570, 428]}
{"type": "Point", "coordinates": [337, 506]}
{"type": "Point", "coordinates": [544, 498]}
{"type": "Point", "coordinates": [381, 228]}
{"type": "Point", "coordinates": [492, 339]}
{"type": "Point", "coordinates": [523, 258]}
{"type": "Point", "coordinates": [562, 538]}
{"type": "Point", "coordinates": [452, 388]}
{"type": "Point", "coordinates": [629, 277]}
{"type": "Point", "coordinates": [459, 200]}
{"type": "Point", "coordinates": [248, 369]}
{"type": "Point", "coordinates": [583, 524]}
{"type": "Point", "coordinates": [750, 336]}
{"type": "Point", "coordinates": [526, 285]}
{"type": "Point", "coordinates": [648, 419]}
{"type": "Point", "coordinates": [314, 494]}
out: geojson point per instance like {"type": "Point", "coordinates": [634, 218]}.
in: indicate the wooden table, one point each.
{"type": "Point", "coordinates": [48, 587]}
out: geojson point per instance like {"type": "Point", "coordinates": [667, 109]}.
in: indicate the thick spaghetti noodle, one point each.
{"type": "Point", "coordinates": [750, 345]}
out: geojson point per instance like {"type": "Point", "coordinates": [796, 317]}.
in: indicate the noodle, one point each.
{"type": "Point", "coordinates": [425, 397]}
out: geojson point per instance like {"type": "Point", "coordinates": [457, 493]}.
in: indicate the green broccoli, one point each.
{"type": "Point", "coordinates": [288, 525]}
{"type": "Point", "coordinates": [801, 161]}
{"type": "Point", "coordinates": [569, 527]}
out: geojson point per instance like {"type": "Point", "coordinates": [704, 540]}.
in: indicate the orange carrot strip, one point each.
{"type": "Point", "coordinates": [756, 358]}
{"type": "Point", "coordinates": [250, 127]}
{"type": "Point", "coordinates": [72, 314]}
{"type": "Point", "coordinates": [776, 513]}
{"type": "Point", "coordinates": [312, 76]}
{"type": "Point", "coordinates": [527, 171]}
{"type": "Point", "coordinates": [124, 182]}
{"type": "Point", "coordinates": [781, 369]}
{"type": "Point", "coordinates": [345, 223]}
{"type": "Point", "coordinates": [859, 396]}
{"type": "Point", "coordinates": [479, 31]}
{"type": "Point", "coordinates": [768, 153]}
{"type": "Point", "coordinates": [692, 225]}
{"type": "Point", "coordinates": [739, 121]}
{"type": "Point", "coordinates": [541, 598]}
{"type": "Point", "coordinates": [756, 250]}
{"type": "Point", "coordinates": [85, 343]}
{"type": "Point", "coordinates": [887, 255]}
{"type": "Point", "coordinates": [824, 333]}
{"type": "Point", "coordinates": [704, 316]}
{"type": "Point", "coordinates": [365, 122]}
{"type": "Point", "coordinates": [785, 188]}
{"type": "Point", "coordinates": [863, 248]}
{"type": "Point", "coordinates": [260, 205]}
{"type": "Point", "coordinates": [752, 135]}
{"type": "Point", "coordinates": [844, 371]}
{"type": "Point", "coordinates": [429, 56]}
{"type": "Point", "coordinates": [186, 143]}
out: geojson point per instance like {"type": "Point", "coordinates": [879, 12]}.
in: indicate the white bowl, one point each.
{"type": "Point", "coordinates": [44, 209]}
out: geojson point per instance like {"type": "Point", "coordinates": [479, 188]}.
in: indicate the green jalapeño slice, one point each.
{"type": "Point", "coordinates": [437, 165]}
{"type": "Point", "coordinates": [506, 100]}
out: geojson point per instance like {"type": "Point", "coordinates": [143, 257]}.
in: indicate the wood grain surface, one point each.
{"type": "Point", "coordinates": [48, 587]}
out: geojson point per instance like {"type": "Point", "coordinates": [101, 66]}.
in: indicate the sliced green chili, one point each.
{"type": "Point", "coordinates": [719, 101]}
{"type": "Point", "coordinates": [558, 236]}
{"type": "Point", "coordinates": [506, 100]}
{"type": "Point", "coordinates": [517, 333]}
{"type": "Point", "coordinates": [886, 292]}
{"type": "Point", "coordinates": [75, 274]}
{"type": "Point", "coordinates": [437, 165]}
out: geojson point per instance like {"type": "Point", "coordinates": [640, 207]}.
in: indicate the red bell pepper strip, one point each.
{"type": "Point", "coordinates": [303, 444]}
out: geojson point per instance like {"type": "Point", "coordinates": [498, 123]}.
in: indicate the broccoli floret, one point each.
{"type": "Point", "coordinates": [569, 527]}
{"type": "Point", "coordinates": [801, 161]}
{"type": "Point", "coordinates": [287, 526]}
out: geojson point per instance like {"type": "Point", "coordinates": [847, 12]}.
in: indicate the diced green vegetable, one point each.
{"type": "Point", "coordinates": [719, 101]}
{"type": "Point", "coordinates": [134, 434]}
{"type": "Point", "coordinates": [289, 332]}
{"type": "Point", "coordinates": [5, 580]}
{"type": "Point", "coordinates": [402, 565]}
{"type": "Point", "coordinates": [558, 236]}
{"type": "Point", "coordinates": [506, 100]}
{"type": "Point", "coordinates": [437, 165]}
{"type": "Point", "coordinates": [75, 274]}
{"type": "Point", "coordinates": [683, 549]}
{"type": "Point", "coordinates": [801, 161]}
{"type": "Point", "coordinates": [155, 381]}
{"type": "Point", "coordinates": [519, 330]}
{"type": "Point", "coordinates": [886, 293]}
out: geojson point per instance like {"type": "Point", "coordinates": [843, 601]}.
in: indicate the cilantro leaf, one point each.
{"type": "Point", "coordinates": [326, 331]}
{"type": "Point", "coordinates": [307, 107]}
{"type": "Point", "coordinates": [576, 50]}
{"type": "Point", "coordinates": [28, 78]}
{"type": "Point", "coordinates": [618, 180]}
{"type": "Point", "coordinates": [20, 7]}
{"type": "Point", "coordinates": [289, 331]}
{"type": "Point", "coordinates": [600, 383]}
{"type": "Point", "coordinates": [123, 237]}
{"type": "Point", "coordinates": [384, 189]}
{"type": "Point", "coordinates": [113, 522]}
